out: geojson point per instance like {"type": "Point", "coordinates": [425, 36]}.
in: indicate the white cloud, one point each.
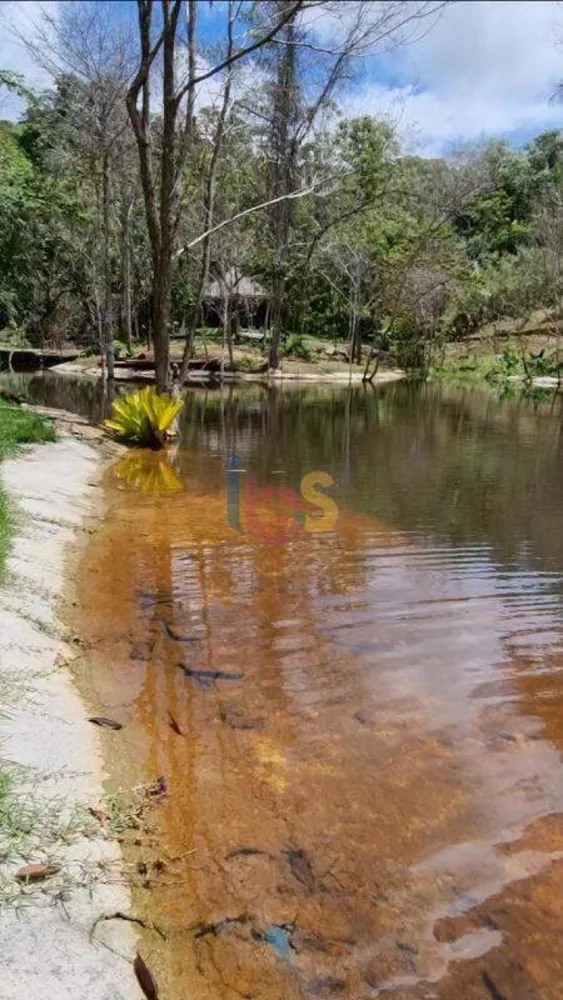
{"type": "Point", "coordinates": [18, 18]}
{"type": "Point", "coordinates": [486, 68]}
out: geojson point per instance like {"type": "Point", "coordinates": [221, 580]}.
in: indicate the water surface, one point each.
{"type": "Point", "coordinates": [359, 718]}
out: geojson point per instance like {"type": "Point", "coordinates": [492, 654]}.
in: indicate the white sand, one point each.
{"type": "Point", "coordinates": [45, 946]}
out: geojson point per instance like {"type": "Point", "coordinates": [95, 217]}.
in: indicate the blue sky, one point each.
{"type": "Point", "coordinates": [487, 68]}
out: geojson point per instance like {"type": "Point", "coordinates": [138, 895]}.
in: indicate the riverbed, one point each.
{"type": "Point", "coordinates": [331, 620]}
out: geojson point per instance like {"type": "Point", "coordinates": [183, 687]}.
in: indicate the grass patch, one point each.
{"type": "Point", "coordinates": [17, 427]}
{"type": "Point", "coordinates": [4, 789]}
{"type": "Point", "coordinates": [467, 370]}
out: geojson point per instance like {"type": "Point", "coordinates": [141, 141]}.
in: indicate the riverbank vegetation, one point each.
{"type": "Point", "coordinates": [144, 418]}
{"type": "Point", "coordinates": [128, 220]}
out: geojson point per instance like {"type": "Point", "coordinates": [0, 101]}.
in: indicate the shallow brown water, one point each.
{"type": "Point", "coordinates": [367, 792]}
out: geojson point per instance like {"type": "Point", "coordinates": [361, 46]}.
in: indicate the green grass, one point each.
{"type": "Point", "coordinates": [17, 427]}
{"type": "Point", "coordinates": [468, 370]}
{"type": "Point", "coordinates": [4, 789]}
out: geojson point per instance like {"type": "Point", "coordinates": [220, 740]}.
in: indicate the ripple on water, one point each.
{"type": "Point", "coordinates": [364, 772]}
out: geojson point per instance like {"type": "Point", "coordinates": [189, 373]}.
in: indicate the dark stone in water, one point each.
{"type": "Point", "coordinates": [362, 719]}
{"type": "Point", "coordinates": [219, 926]}
{"type": "Point", "coordinates": [325, 987]}
{"type": "Point", "coordinates": [207, 678]}
{"type": "Point", "coordinates": [139, 654]}
{"type": "Point", "coordinates": [237, 720]}
{"type": "Point", "coordinates": [245, 852]}
{"type": "Point", "coordinates": [301, 868]}
{"type": "Point", "coordinates": [173, 633]}
{"type": "Point", "coordinates": [153, 598]}
{"type": "Point", "coordinates": [492, 988]}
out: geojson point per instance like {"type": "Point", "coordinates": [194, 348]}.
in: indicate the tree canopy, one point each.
{"type": "Point", "coordinates": [357, 239]}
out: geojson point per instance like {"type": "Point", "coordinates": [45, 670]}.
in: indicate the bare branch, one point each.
{"type": "Point", "coordinates": [292, 196]}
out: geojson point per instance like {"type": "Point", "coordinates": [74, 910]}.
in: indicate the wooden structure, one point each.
{"type": "Point", "coordinates": [27, 359]}
{"type": "Point", "coordinates": [244, 299]}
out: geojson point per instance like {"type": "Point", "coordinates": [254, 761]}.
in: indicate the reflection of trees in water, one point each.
{"type": "Point", "coordinates": [89, 397]}
{"type": "Point", "coordinates": [456, 464]}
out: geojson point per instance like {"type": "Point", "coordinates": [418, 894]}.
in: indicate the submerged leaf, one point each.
{"type": "Point", "coordinates": [174, 725]}
{"type": "Point", "coordinates": [104, 723]}
{"type": "Point", "coordinates": [145, 978]}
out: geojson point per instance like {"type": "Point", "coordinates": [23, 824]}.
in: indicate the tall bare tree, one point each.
{"type": "Point", "coordinates": [307, 72]}
{"type": "Point", "coordinates": [162, 189]}
{"type": "Point", "coordinates": [82, 46]}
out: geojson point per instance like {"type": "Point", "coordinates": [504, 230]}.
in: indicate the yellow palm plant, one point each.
{"type": "Point", "coordinates": [144, 418]}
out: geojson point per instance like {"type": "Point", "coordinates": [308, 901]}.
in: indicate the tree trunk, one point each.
{"type": "Point", "coordinates": [107, 328]}
{"type": "Point", "coordinates": [284, 148]}
{"type": "Point", "coordinates": [210, 193]}
{"type": "Point", "coordinates": [126, 311]}
{"type": "Point", "coordinates": [162, 279]}
{"type": "Point", "coordinates": [162, 297]}
{"type": "Point", "coordinates": [276, 319]}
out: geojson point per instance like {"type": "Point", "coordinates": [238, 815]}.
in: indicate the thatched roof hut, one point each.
{"type": "Point", "coordinates": [248, 300]}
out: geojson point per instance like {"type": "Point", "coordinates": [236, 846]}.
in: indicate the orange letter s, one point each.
{"type": "Point", "coordinates": [309, 491]}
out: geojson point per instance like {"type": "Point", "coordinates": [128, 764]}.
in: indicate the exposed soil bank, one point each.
{"type": "Point", "coordinates": [54, 940]}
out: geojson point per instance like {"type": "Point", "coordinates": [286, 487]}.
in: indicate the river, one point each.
{"type": "Point", "coordinates": [331, 619]}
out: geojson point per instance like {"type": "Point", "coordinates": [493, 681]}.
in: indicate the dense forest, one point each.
{"type": "Point", "coordinates": [127, 192]}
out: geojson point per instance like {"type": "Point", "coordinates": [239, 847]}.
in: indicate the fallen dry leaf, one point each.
{"type": "Point", "coordinates": [157, 789]}
{"type": "Point", "coordinates": [105, 723]}
{"type": "Point", "coordinates": [145, 978]}
{"type": "Point", "coordinates": [174, 725]}
{"type": "Point", "coordinates": [34, 873]}
{"type": "Point", "coordinates": [98, 813]}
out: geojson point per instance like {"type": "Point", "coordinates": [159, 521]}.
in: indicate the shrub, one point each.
{"type": "Point", "coordinates": [120, 350]}
{"type": "Point", "coordinates": [295, 347]}
{"type": "Point", "coordinates": [144, 418]}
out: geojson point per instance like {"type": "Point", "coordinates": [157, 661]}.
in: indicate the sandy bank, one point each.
{"type": "Point", "coordinates": [54, 940]}
{"type": "Point", "coordinates": [294, 374]}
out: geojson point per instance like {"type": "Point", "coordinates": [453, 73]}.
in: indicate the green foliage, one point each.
{"type": "Point", "coordinates": [296, 347]}
{"type": "Point", "coordinates": [18, 426]}
{"type": "Point", "coordinates": [418, 250]}
{"type": "Point", "coordinates": [120, 350]}
{"type": "Point", "coordinates": [14, 336]}
{"type": "Point", "coordinates": [144, 418]}
{"type": "Point", "coordinates": [509, 363]}
{"type": "Point", "coordinates": [542, 364]}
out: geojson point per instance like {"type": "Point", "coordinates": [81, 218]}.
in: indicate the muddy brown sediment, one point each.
{"type": "Point", "coordinates": [335, 825]}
